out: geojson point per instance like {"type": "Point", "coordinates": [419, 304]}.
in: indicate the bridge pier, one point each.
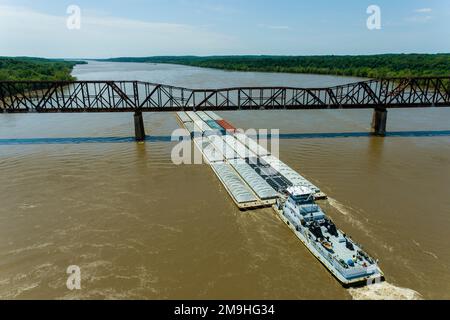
{"type": "Point", "coordinates": [139, 129]}
{"type": "Point", "coordinates": [379, 120]}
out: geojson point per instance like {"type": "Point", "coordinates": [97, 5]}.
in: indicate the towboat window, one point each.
{"type": "Point", "coordinates": [304, 199]}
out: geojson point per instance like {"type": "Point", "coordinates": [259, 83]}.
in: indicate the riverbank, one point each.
{"type": "Point", "coordinates": [36, 69]}
{"type": "Point", "coordinates": [366, 66]}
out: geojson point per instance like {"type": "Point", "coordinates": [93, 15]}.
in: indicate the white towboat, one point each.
{"type": "Point", "coordinates": [343, 257]}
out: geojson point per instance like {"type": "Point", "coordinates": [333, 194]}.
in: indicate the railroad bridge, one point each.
{"type": "Point", "coordinates": [138, 97]}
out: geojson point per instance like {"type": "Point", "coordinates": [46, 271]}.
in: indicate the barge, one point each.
{"type": "Point", "coordinates": [255, 178]}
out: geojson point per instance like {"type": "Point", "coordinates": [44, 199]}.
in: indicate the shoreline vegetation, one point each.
{"type": "Point", "coordinates": [365, 66]}
{"type": "Point", "coordinates": [36, 69]}
{"type": "Point", "coordinates": [370, 66]}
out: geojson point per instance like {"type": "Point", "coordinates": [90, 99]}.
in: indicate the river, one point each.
{"type": "Point", "coordinates": [140, 227]}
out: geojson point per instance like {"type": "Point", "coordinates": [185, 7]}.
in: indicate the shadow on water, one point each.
{"type": "Point", "coordinates": [437, 133]}
{"type": "Point", "coordinates": [80, 140]}
{"type": "Point", "coordinates": [330, 135]}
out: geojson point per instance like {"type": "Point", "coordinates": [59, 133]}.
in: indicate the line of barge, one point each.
{"type": "Point", "coordinates": [255, 178]}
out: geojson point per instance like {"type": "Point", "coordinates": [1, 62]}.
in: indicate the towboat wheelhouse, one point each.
{"type": "Point", "coordinates": [339, 253]}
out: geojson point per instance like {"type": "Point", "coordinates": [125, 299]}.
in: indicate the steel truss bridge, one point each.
{"type": "Point", "coordinates": [138, 97]}
{"type": "Point", "coordinates": [131, 96]}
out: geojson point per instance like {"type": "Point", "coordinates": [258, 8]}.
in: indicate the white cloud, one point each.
{"type": "Point", "coordinates": [273, 27]}
{"type": "Point", "coordinates": [27, 32]}
{"type": "Point", "coordinates": [424, 10]}
{"type": "Point", "coordinates": [419, 19]}
{"type": "Point", "coordinates": [279, 27]}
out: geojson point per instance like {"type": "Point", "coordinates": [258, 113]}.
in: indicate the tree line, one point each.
{"type": "Point", "coordinates": [36, 69]}
{"type": "Point", "coordinates": [366, 66]}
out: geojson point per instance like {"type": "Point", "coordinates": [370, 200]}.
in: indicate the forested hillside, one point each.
{"type": "Point", "coordinates": [24, 68]}
{"type": "Point", "coordinates": [372, 66]}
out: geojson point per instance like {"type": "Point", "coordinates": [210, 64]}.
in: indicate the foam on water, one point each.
{"type": "Point", "coordinates": [356, 221]}
{"type": "Point", "coordinates": [384, 291]}
{"type": "Point", "coordinates": [377, 291]}
{"type": "Point", "coordinates": [338, 206]}
{"type": "Point", "coordinates": [349, 216]}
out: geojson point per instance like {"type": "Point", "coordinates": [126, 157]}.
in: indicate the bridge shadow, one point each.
{"type": "Point", "coordinates": [284, 136]}
{"type": "Point", "coordinates": [406, 134]}
{"type": "Point", "coordinates": [80, 140]}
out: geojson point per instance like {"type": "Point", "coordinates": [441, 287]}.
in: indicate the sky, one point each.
{"type": "Point", "coordinates": [113, 28]}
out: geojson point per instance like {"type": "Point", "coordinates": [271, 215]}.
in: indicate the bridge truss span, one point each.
{"type": "Point", "coordinates": [137, 96]}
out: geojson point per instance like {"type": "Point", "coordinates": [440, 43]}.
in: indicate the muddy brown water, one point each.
{"type": "Point", "coordinates": [140, 227]}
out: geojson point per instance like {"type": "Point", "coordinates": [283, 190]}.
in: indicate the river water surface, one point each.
{"type": "Point", "coordinates": [140, 227]}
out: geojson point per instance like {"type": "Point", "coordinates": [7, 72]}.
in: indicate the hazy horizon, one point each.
{"type": "Point", "coordinates": [229, 55]}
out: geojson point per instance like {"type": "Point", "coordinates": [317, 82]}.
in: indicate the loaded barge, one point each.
{"type": "Point", "coordinates": [255, 178]}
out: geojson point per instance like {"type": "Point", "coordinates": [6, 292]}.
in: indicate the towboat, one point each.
{"type": "Point", "coordinates": [343, 257]}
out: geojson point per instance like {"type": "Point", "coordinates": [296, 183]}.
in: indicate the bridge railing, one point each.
{"type": "Point", "coordinates": [129, 96]}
